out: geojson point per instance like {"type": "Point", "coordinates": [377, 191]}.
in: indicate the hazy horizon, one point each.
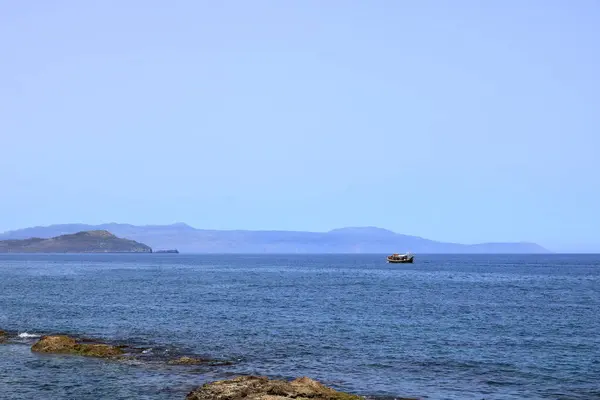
{"type": "Point", "coordinates": [458, 122]}
{"type": "Point", "coordinates": [363, 229]}
{"type": "Point", "coordinates": [190, 240]}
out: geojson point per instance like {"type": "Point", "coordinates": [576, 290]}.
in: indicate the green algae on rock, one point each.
{"type": "Point", "coordinates": [61, 344]}
{"type": "Point", "coordinates": [263, 388]}
{"type": "Point", "coordinates": [187, 361]}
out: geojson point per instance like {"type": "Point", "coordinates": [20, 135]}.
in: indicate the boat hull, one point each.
{"type": "Point", "coordinates": [405, 261]}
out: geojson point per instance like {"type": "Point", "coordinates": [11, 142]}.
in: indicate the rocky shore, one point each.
{"type": "Point", "coordinates": [239, 388]}
{"type": "Point", "coordinates": [91, 347]}
{"type": "Point", "coordinates": [263, 388]}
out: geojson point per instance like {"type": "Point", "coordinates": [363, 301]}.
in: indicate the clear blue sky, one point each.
{"type": "Point", "coordinates": [463, 121]}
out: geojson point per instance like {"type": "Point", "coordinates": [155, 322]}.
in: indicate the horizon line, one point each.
{"type": "Point", "coordinates": [272, 230]}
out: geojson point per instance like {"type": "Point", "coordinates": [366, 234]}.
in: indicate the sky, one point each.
{"type": "Point", "coordinates": [462, 121]}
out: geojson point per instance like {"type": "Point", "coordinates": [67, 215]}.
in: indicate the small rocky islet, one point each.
{"type": "Point", "coordinates": [62, 344]}
{"type": "Point", "coordinates": [239, 388]}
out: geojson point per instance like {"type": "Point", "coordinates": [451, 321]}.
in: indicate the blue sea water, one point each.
{"type": "Point", "coordinates": [446, 327]}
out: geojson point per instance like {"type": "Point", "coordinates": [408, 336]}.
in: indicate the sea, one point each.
{"type": "Point", "coordinates": [446, 327]}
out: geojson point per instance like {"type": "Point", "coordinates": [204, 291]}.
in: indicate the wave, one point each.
{"type": "Point", "coordinates": [28, 335]}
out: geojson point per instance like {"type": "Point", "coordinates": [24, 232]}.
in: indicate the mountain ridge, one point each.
{"type": "Point", "coordinates": [341, 240]}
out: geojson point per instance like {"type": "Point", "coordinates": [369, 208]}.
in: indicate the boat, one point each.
{"type": "Point", "coordinates": [401, 258]}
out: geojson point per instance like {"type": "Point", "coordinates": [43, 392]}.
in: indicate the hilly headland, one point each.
{"type": "Point", "coordinates": [93, 241]}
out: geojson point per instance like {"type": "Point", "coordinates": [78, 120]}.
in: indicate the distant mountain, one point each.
{"type": "Point", "coordinates": [96, 241]}
{"type": "Point", "coordinates": [345, 240]}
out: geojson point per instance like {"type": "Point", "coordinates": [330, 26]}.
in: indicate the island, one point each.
{"type": "Point", "coordinates": [95, 241]}
{"type": "Point", "coordinates": [170, 251]}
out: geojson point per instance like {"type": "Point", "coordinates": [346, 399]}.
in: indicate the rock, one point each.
{"type": "Point", "coordinates": [3, 336]}
{"type": "Point", "coordinates": [61, 344]}
{"type": "Point", "coordinates": [99, 350]}
{"type": "Point", "coordinates": [187, 361]}
{"type": "Point", "coordinates": [54, 344]}
{"type": "Point", "coordinates": [220, 363]}
{"type": "Point", "coordinates": [263, 388]}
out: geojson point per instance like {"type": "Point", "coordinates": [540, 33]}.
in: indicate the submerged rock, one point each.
{"type": "Point", "coordinates": [263, 388]}
{"type": "Point", "coordinates": [187, 361]}
{"type": "Point", "coordinates": [3, 336]}
{"type": "Point", "coordinates": [61, 344]}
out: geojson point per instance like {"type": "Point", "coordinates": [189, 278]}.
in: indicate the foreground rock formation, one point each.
{"type": "Point", "coordinates": [262, 388]}
{"type": "Point", "coordinates": [60, 344]}
{"type": "Point", "coordinates": [239, 388]}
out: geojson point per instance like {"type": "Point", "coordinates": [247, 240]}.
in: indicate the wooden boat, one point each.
{"type": "Point", "coordinates": [401, 258]}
